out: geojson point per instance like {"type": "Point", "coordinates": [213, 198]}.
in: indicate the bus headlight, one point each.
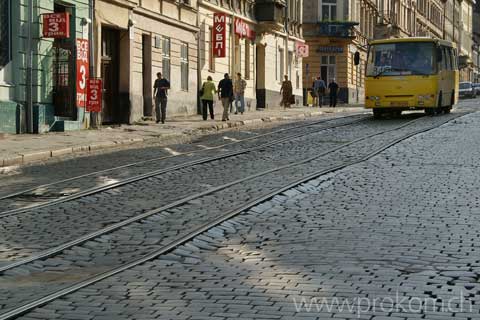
{"type": "Point", "coordinates": [374, 98]}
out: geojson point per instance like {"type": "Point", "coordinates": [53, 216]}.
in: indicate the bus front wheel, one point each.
{"type": "Point", "coordinates": [377, 113]}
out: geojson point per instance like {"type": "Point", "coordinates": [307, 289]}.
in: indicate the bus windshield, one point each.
{"type": "Point", "coordinates": [402, 58]}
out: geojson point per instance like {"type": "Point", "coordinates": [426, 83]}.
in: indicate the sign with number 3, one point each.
{"type": "Point", "coordinates": [94, 95]}
{"type": "Point", "coordinates": [82, 71]}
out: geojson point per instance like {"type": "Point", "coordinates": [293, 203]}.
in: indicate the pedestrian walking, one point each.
{"type": "Point", "coordinates": [333, 90]}
{"type": "Point", "coordinates": [207, 92]}
{"type": "Point", "coordinates": [225, 94]}
{"type": "Point", "coordinates": [160, 89]}
{"type": "Point", "coordinates": [319, 88]}
{"type": "Point", "coordinates": [287, 93]}
{"type": "Point", "coordinates": [239, 87]}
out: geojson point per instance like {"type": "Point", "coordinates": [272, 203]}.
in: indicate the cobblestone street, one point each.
{"type": "Point", "coordinates": [344, 217]}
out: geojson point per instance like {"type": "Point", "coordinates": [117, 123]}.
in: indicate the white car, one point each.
{"type": "Point", "coordinates": [466, 90]}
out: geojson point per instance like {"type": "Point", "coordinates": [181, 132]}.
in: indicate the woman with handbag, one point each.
{"type": "Point", "coordinates": [287, 93]}
{"type": "Point", "coordinates": [206, 95]}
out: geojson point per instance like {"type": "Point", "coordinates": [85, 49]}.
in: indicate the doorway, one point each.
{"type": "Point", "coordinates": [147, 75]}
{"type": "Point", "coordinates": [111, 112]}
{"type": "Point", "coordinates": [63, 69]}
{"type": "Point", "coordinates": [260, 76]}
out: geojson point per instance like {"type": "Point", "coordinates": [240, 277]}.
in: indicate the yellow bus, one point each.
{"type": "Point", "coordinates": [411, 74]}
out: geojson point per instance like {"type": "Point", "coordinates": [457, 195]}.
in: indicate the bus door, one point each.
{"type": "Point", "coordinates": [445, 78]}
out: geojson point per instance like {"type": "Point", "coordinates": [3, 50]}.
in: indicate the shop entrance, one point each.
{"type": "Point", "coordinates": [63, 65]}
{"type": "Point", "coordinates": [111, 112]}
{"type": "Point", "coordinates": [260, 76]}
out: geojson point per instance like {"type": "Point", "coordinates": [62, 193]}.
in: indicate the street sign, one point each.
{"type": "Point", "coordinates": [94, 95]}
{"type": "Point", "coordinates": [56, 25]}
{"type": "Point", "coordinates": [219, 34]}
{"type": "Point", "coordinates": [301, 49]}
{"type": "Point", "coordinates": [82, 71]}
{"type": "Point", "coordinates": [243, 29]}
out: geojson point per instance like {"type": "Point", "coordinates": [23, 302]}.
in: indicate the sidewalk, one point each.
{"type": "Point", "coordinates": [24, 148]}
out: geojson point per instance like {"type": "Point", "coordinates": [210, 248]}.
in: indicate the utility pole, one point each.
{"type": "Point", "coordinates": [286, 53]}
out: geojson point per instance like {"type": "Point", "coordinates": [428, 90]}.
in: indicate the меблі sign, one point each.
{"type": "Point", "coordinates": [219, 34]}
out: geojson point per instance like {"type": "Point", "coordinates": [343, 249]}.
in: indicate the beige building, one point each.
{"type": "Point", "coordinates": [336, 29]}
{"type": "Point", "coordinates": [136, 39]}
{"type": "Point", "coordinates": [262, 57]}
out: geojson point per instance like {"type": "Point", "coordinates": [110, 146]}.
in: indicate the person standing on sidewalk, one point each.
{"type": "Point", "coordinates": [286, 91]}
{"type": "Point", "coordinates": [319, 88]}
{"type": "Point", "coordinates": [333, 89]}
{"type": "Point", "coordinates": [208, 89]}
{"type": "Point", "coordinates": [160, 95]}
{"type": "Point", "coordinates": [225, 94]}
{"type": "Point", "coordinates": [239, 87]}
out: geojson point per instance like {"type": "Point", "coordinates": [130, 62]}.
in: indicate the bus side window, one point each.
{"type": "Point", "coordinates": [453, 56]}
{"type": "Point", "coordinates": [448, 60]}
{"type": "Point", "coordinates": [444, 59]}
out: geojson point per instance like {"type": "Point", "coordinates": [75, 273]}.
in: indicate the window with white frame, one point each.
{"type": "Point", "coordinates": [328, 68]}
{"type": "Point", "coordinates": [328, 10]}
{"type": "Point", "coordinates": [281, 57]}
{"type": "Point", "coordinates": [184, 66]}
{"type": "Point", "coordinates": [5, 40]}
{"type": "Point", "coordinates": [166, 58]}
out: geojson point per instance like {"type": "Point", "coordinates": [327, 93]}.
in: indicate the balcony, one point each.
{"type": "Point", "coordinates": [335, 29]}
{"type": "Point", "coordinates": [270, 12]}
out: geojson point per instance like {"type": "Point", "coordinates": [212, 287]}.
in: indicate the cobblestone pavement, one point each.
{"type": "Point", "coordinates": [140, 238]}
{"type": "Point", "coordinates": [170, 157]}
{"type": "Point", "coordinates": [399, 226]}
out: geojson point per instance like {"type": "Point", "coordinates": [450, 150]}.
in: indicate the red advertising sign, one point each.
{"type": "Point", "coordinates": [243, 29]}
{"type": "Point", "coordinates": [56, 25]}
{"type": "Point", "coordinates": [301, 49]}
{"type": "Point", "coordinates": [219, 34]}
{"type": "Point", "coordinates": [94, 95]}
{"type": "Point", "coordinates": [82, 71]}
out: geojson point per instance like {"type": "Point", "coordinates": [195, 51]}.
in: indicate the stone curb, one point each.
{"type": "Point", "coordinates": [45, 155]}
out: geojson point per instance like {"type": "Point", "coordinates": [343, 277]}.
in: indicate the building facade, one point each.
{"type": "Point", "coordinates": [38, 87]}
{"type": "Point", "coordinates": [336, 29]}
{"type": "Point", "coordinates": [128, 42]}
{"type": "Point", "coordinates": [133, 41]}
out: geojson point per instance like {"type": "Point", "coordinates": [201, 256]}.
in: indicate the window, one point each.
{"type": "Point", "coordinates": [247, 59]}
{"type": "Point", "coordinates": [282, 63]}
{"type": "Point", "coordinates": [327, 68]}
{"type": "Point", "coordinates": [211, 56]}
{"type": "Point", "coordinates": [328, 10]}
{"type": "Point", "coordinates": [4, 33]}
{"type": "Point", "coordinates": [157, 43]}
{"type": "Point", "coordinates": [166, 58]}
{"type": "Point", "coordinates": [297, 80]}
{"type": "Point", "coordinates": [184, 66]}
{"type": "Point", "coordinates": [446, 56]}
{"type": "Point", "coordinates": [290, 62]}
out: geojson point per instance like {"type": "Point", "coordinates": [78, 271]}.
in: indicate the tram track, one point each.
{"type": "Point", "coordinates": [53, 198]}
{"type": "Point", "coordinates": [213, 221]}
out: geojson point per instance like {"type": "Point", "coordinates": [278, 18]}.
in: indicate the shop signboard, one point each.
{"type": "Point", "coordinates": [56, 25]}
{"type": "Point", "coordinates": [94, 95]}
{"type": "Point", "coordinates": [219, 34]}
{"type": "Point", "coordinates": [82, 71]}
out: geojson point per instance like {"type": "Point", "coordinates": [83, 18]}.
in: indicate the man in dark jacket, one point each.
{"type": "Point", "coordinates": [160, 95]}
{"type": "Point", "coordinates": [225, 94]}
{"type": "Point", "coordinates": [333, 88]}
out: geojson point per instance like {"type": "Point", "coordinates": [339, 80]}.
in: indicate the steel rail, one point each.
{"type": "Point", "coordinates": [150, 174]}
{"type": "Point", "coordinates": [53, 251]}
{"type": "Point", "coordinates": [205, 227]}
{"type": "Point", "coordinates": [39, 302]}
{"type": "Point", "coordinates": [18, 193]}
